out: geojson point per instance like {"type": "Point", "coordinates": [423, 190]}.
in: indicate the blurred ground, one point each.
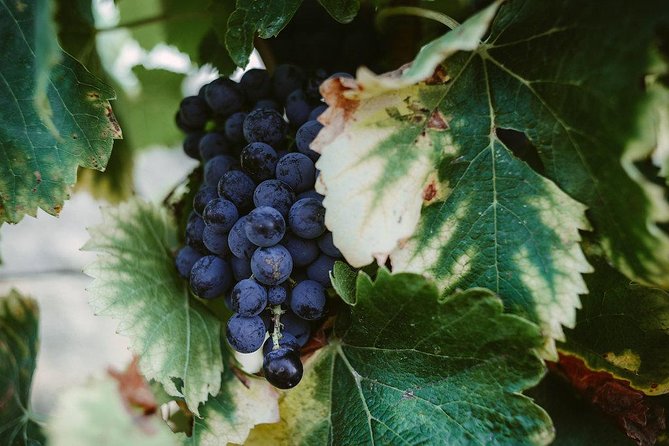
{"type": "Point", "coordinates": [42, 258]}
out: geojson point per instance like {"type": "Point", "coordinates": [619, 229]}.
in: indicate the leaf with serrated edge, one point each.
{"type": "Point", "coordinates": [343, 11]}
{"type": "Point", "coordinates": [136, 282]}
{"type": "Point", "coordinates": [407, 369]}
{"type": "Point", "coordinates": [250, 16]}
{"type": "Point", "coordinates": [230, 416]}
{"type": "Point", "coordinates": [55, 116]}
{"type": "Point", "coordinates": [343, 279]}
{"type": "Point", "coordinates": [488, 220]}
{"type": "Point", "coordinates": [95, 414]}
{"type": "Point", "coordinates": [583, 111]}
{"type": "Point", "coordinates": [19, 318]}
{"type": "Point", "coordinates": [623, 328]}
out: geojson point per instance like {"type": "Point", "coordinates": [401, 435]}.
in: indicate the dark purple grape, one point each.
{"type": "Point", "coordinates": [271, 265]}
{"type": "Point", "coordinates": [296, 326]}
{"type": "Point", "coordinates": [213, 144]}
{"type": "Point", "coordinates": [265, 226]}
{"type": "Point", "coordinates": [286, 340]}
{"type": "Point", "coordinates": [239, 244]}
{"type": "Point", "coordinates": [320, 269]}
{"type": "Point", "coordinates": [297, 171]}
{"type": "Point", "coordinates": [264, 125]}
{"type": "Point", "coordinates": [234, 127]}
{"type": "Point", "coordinates": [245, 334]}
{"type": "Point", "coordinates": [311, 194]}
{"type": "Point", "coordinates": [216, 241]}
{"type": "Point", "coordinates": [268, 104]}
{"type": "Point", "coordinates": [241, 268]}
{"type": "Point", "coordinates": [327, 245]}
{"type": "Point", "coordinates": [276, 295]}
{"type": "Point", "coordinates": [305, 136]}
{"type": "Point", "coordinates": [191, 144]}
{"type": "Point", "coordinates": [194, 231]}
{"type": "Point", "coordinates": [237, 187]}
{"type": "Point", "coordinates": [185, 259]}
{"type": "Point", "coordinates": [282, 368]}
{"type": "Point", "coordinates": [256, 84]}
{"type": "Point", "coordinates": [307, 300]}
{"type": "Point", "coordinates": [301, 250]}
{"type": "Point", "coordinates": [210, 277]}
{"type": "Point", "coordinates": [223, 96]}
{"type": "Point", "coordinates": [297, 108]}
{"type": "Point", "coordinates": [203, 197]}
{"type": "Point", "coordinates": [220, 213]}
{"type": "Point", "coordinates": [249, 298]}
{"type": "Point", "coordinates": [317, 111]}
{"type": "Point", "coordinates": [307, 218]}
{"type": "Point", "coordinates": [216, 167]}
{"type": "Point", "coordinates": [259, 161]}
{"type": "Point", "coordinates": [276, 194]}
{"type": "Point", "coordinates": [194, 112]}
{"type": "Point", "coordinates": [286, 79]}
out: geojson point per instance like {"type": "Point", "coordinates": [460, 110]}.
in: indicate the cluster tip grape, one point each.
{"type": "Point", "coordinates": [257, 235]}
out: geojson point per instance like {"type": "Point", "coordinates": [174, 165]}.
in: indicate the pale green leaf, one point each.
{"type": "Point", "coordinates": [18, 356]}
{"type": "Point", "coordinates": [250, 16]}
{"type": "Point", "coordinates": [230, 416]}
{"type": "Point", "coordinates": [175, 336]}
{"type": "Point", "coordinates": [95, 414]}
{"type": "Point", "coordinates": [623, 329]}
{"type": "Point", "coordinates": [407, 369]}
{"type": "Point", "coordinates": [343, 279]}
{"type": "Point", "coordinates": [55, 116]}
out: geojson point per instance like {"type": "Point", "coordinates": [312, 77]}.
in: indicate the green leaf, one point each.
{"type": "Point", "coordinates": [343, 279]}
{"type": "Point", "coordinates": [212, 47]}
{"type": "Point", "coordinates": [407, 369]}
{"type": "Point", "coordinates": [94, 413]}
{"type": "Point", "coordinates": [576, 422]}
{"type": "Point", "coordinates": [174, 22]}
{"type": "Point", "coordinates": [250, 16]}
{"type": "Point", "coordinates": [56, 116]}
{"type": "Point", "coordinates": [175, 336]}
{"type": "Point", "coordinates": [230, 416]}
{"type": "Point", "coordinates": [343, 11]}
{"type": "Point", "coordinates": [487, 219]}
{"type": "Point", "coordinates": [18, 354]}
{"type": "Point", "coordinates": [623, 328]}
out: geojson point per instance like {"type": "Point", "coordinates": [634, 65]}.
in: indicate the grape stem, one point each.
{"type": "Point", "coordinates": [276, 318]}
{"type": "Point", "coordinates": [415, 11]}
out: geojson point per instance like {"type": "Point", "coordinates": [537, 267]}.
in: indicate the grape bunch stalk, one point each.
{"type": "Point", "coordinates": [257, 235]}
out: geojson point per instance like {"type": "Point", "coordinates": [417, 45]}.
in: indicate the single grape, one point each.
{"type": "Point", "coordinates": [296, 326]}
{"type": "Point", "coordinates": [327, 245]}
{"type": "Point", "coordinates": [259, 161]}
{"type": "Point", "coordinates": [286, 79]}
{"type": "Point", "coordinates": [316, 112]}
{"type": "Point", "coordinates": [210, 277]}
{"type": "Point", "coordinates": [311, 194]}
{"type": "Point", "coordinates": [185, 259]}
{"type": "Point", "coordinates": [307, 218]}
{"type": "Point", "coordinates": [307, 300]}
{"type": "Point", "coordinates": [215, 241]}
{"type": "Point", "coordinates": [239, 244]}
{"type": "Point", "coordinates": [276, 295]}
{"type": "Point", "coordinates": [234, 127]}
{"type": "Point", "coordinates": [276, 194]}
{"type": "Point", "coordinates": [320, 269]}
{"type": "Point", "coordinates": [192, 143]}
{"type": "Point", "coordinates": [286, 340]}
{"type": "Point", "coordinates": [213, 144]}
{"type": "Point", "coordinates": [297, 108]}
{"type": "Point", "coordinates": [283, 368]}
{"type": "Point", "coordinates": [183, 126]}
{"type": "Point", "coordinates": [203, 197]}
{"type": "Point", "coordinates": [216, 167]}
{"type": "Point", "coordinates": [245, 334]}
{"type": "Point", "coordinates": [249, 298]}
{"type": "Point", "coordinates": [223, 96]}
{"type": "Point", "coordinates": [194, 231]}
{"type": "Point", "coordinates": [241, 268]}
{"type": "Point", "coordinates": [301, 250]}
{"type": "Point", "coordinates": [194, 112]}
{"type": "Point", "coordinates": [264, 125]}
{"type": "Point", "coordinates": [269, 104]}
{"type": "Point", "coordinates": [255, 84]}
{"type": "Point", "coordinates": [271, 265]}
{"type": "Point", "coordinates": [297, 171]}
{"type": "Point", "coordinates": [305, 136]}
{"type": "Point", "coordinates": [265, 226]}
{"type": "Point", "coordinates": [220, 213]}
{"type": "Point", "coordinates": [312, 87]}
{"type": "Point", "coordinates": [237, 187]}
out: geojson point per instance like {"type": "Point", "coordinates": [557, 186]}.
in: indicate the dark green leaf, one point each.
{"type": "Point", "coordinates": [55, 115]}
{"type": "Point", "coordinates": [175, 336]}
{"type": "Point", "coordinates": [342, 11]}
{"type": "Point", "coordinates": [343, 279]}
{"type": "Point", "coordinates": [18, 354]}
{"type": "Point", "coordinates": [250, 16]}
{"type": "Point", "coordinates": [623, 328]}
{"type": "Point", "coordinates": [406, 369]}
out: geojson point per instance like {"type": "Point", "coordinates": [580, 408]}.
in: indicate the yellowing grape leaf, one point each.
{"type": "Point", "coordinates": [174, 335]}
{"type": "Point", "coordinates": [55, 115]}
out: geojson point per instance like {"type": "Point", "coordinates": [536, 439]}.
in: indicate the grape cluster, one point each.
{"type": "Point", "coordinates": [257, 234]}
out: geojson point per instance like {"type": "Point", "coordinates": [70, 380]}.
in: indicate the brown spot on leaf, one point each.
{"type": "Point", "coordinates": [440, 76]}
{"type": "Point", "coordinates": [134, 390]}
{"type": "Point", "coordinates": [437, 121]}
{"type": "Point", "coordinates": [92, 95]}
{"type": "Point", "coordinates": [635, 413]}
{"type": "Point", "coordinates": [20, 6]}
{"type": "Point", "coordinates": [430, 191]}
{"type": "Point", "coordinates": [241, 376]}
{"type": "Point", "coordinates": [116, 128]}
{"type": "Point", "coordinates": [38, 176]}
{"type": "Point", "coordinates": [57, 208]}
